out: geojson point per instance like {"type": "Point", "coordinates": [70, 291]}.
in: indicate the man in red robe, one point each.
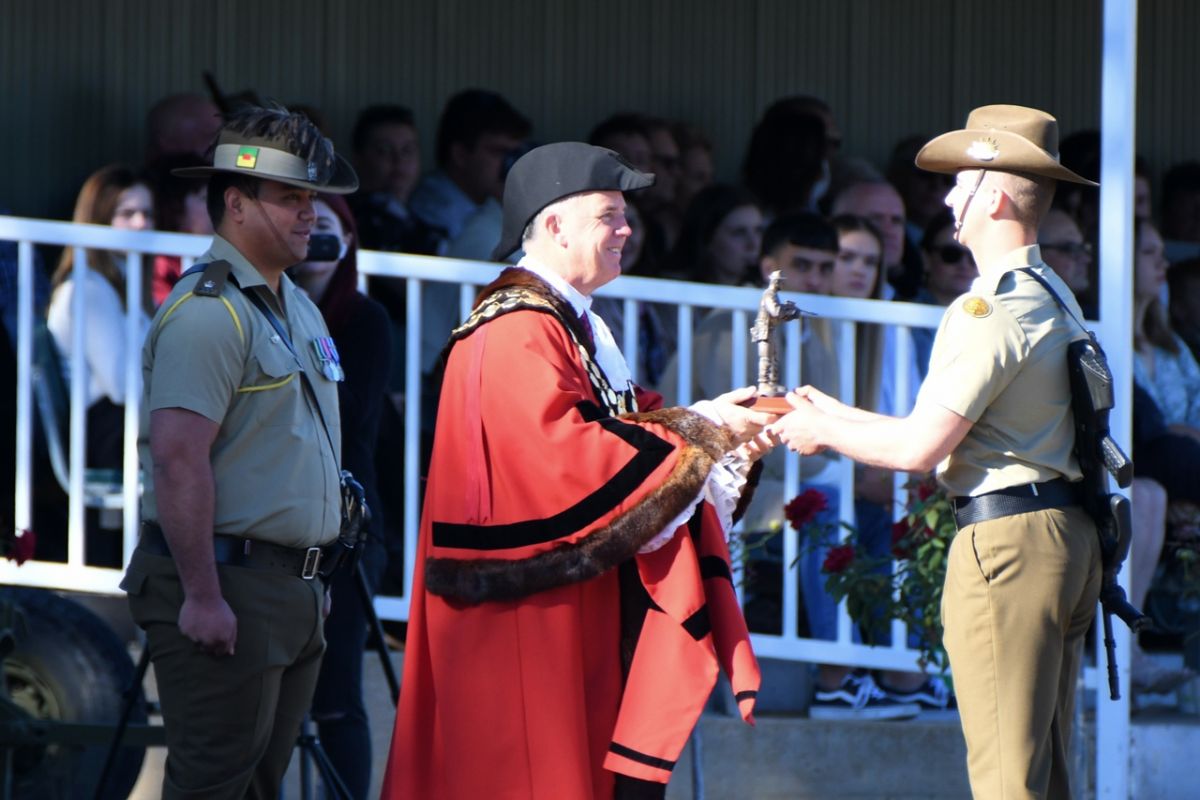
{"type": "Point", "coordinates": [572, 599]}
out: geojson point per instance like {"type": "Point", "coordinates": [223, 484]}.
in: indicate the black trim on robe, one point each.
{"type": "Point", "coordinates": [641, 758]}
{"type": "Point", "coordinates": [651, 452]}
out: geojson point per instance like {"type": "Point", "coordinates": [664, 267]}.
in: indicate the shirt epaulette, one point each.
{"type": "Point", "coordinates": [212, 280]}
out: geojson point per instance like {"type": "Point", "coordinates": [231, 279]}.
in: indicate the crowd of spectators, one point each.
{"type": "Point", "coordinates": [831, 222]}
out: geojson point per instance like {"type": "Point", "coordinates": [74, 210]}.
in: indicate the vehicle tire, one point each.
{"type": "Point", "coordinates": [68, 665]}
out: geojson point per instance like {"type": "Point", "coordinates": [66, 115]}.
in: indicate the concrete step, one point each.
{"type": "Point", "coordinates": [1162, 749]}
{"type": "Point", "coordinates": [798, 758]}
{"type": "Point", "coordinates": [791, 756]}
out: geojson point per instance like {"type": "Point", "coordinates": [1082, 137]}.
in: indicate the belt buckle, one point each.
{"type": "Point", "coordinates": [312, 561]}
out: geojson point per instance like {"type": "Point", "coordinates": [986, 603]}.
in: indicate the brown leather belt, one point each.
{"type": "Point", "coordinates": [241, 552]}
{"type": "Point", "coordinates": [1058, 493]}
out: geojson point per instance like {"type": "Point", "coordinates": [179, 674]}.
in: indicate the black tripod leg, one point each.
{"type": "Point", "coordinates": [310, 747]}
{"type": "Point", "coordinates": [364, 594]}
{"type": "Point", "coordinates": [303, 744]}
{"type": "Point", "coordinates": [329, 775]}
{"type": "Point", "coordinates": [131, 693]}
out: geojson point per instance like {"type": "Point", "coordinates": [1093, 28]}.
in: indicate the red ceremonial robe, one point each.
{"type": "Point", "coordinates": [514, 685]}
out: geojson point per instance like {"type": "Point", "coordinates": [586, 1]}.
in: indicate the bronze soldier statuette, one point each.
{"type": "Point", "coordinates": [765, 333]}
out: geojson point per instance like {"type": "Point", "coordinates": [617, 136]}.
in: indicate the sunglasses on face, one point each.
{"type": "Point", "coordinates": [950, 253]}
{"type": "Point", "coordinates": [1072, 249]}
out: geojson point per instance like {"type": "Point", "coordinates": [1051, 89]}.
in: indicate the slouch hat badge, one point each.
{"type": "Point", "coordinates": [984, 150]}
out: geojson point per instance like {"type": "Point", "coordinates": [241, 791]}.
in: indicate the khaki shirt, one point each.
{"type": "Point", "coordinates": [1000, 360]}
{"type": "Point", "coordinates": [275, 470]}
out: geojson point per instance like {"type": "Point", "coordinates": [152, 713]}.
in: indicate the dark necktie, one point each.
{"type": "Point", "coordinates": [587, 329]}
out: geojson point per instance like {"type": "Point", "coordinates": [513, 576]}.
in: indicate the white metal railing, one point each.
{"type": "Point", "coordinates": [75, 574]}
{"type": "Point", "coordinates": [419, 272]}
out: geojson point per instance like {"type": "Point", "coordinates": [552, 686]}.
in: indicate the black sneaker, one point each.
{"type": "Point", "coordinates": [930, 696]}
{"type": "Point", "coordinates": [858, 697]}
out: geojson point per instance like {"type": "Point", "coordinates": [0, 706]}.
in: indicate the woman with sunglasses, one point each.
{"type": "Point", "coordinates": [1068, 253]}
{"type": "Point", "coordinates": [949, 267]}
{"type": "Point", "coordinates": [949, 270]}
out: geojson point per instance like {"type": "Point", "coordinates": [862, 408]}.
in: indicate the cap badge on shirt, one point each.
{"type": "Point", "coordinates": [984, 150]}
{"type": "Point", "coordinates": [977, 307]}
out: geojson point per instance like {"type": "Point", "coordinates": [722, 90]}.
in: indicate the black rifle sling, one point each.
{"type": "Point", "coordinates": [1046, 285]}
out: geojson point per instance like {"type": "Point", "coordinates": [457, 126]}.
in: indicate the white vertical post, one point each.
{"type": "Point", "coordinates": [847, 346]}
{"type": "Point", "coordinates": [412, 434]}
{"type": "Point", "coordinates": [131, 495]}
{"type": "Point", "coordinates": [629, 337]}
{"type": "Point", "coordinates": [466, 301]}
{"type": "Point", "coordinates": [1118, 126]}
{"type": "Point", "coordinates": [23, 501]}
{"type": "Point", "coordinates": [792, 369]}
{"type": "Point", "coordinates": [77, 453]}
{"type": "Point", "coordinates": [902, 369]}
{"type": "Point", "coordinates": [684, 355]}
{"type": "Point", "coordinates": [739, 370]}
{"type": "Point", "coordinates": [739, 330]}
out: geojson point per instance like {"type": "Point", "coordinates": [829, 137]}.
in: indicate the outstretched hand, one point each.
{"type": "Point", "coordinates": [756, 447]}
{"type": "Point", "coordinates": [745, 423]}
{"type": "Point", "coordinates": [823, 402]}
{"type": "Point", "coordinates": [798, 429]}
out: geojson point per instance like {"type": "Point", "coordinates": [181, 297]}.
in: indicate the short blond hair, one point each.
{"type": "Point", "coordinates": [1031, 195]}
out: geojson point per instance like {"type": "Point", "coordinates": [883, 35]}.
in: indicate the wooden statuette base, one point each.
{"type": "Point", "coordinates": [772, 405]}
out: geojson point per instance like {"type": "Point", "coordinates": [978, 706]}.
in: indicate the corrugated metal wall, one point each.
{"type": "Point", "coordinates": [76, 78]}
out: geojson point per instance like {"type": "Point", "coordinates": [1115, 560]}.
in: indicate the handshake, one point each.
{"type": "Point", "coordinates": [757, 431]}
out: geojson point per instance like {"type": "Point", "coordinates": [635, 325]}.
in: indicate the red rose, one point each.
{"type": "Point", "coordinates": [804, 507]}
{"type": "Point", "coordinates": [899, 549]}
{"type": "Point", "coordinates": [838, 558]}
{"type": "Point", "coordinates": [925, 490]}
{"type": "Point", "coordinates": [22, 546]}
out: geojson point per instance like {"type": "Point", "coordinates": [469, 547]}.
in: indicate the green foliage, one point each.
{"type": "Point", "coordinates": [878, 590]}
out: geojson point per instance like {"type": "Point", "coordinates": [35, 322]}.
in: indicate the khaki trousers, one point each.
{"type": "Point", "coordinates": [1019, 596]}
{"type": "Point", "coordinates": [231, 721]}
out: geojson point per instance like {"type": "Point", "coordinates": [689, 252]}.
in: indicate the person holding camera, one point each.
{"type": "Point", "coordinates": [359, 326]}
{"type": "Point", "coordinates": [994, 416]}
{"type": "Point", "coordinates": [240, 446]}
